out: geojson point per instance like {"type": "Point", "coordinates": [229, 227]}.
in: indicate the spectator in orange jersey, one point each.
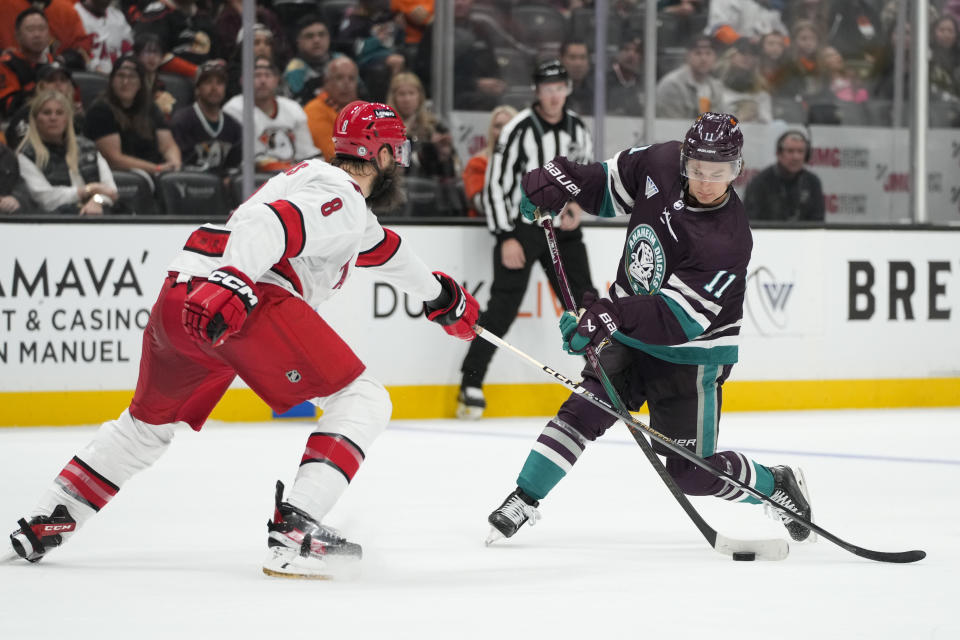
{"type": "Point", "coordinates": [339, 89]}
{"type": "Point", "coordinates": [18, 66]}
{"type": "Point", "coordinates": [417, 14]}
{"type": "Point", "coordinates": [69, 40]}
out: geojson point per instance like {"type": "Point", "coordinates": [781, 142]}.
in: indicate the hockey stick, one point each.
{"type": "Point", "coordinates": [772, 549]}
{"type": "Point", "coordinates": [723, 544]}
{"type": "Point", "coordinates": [634, 426]}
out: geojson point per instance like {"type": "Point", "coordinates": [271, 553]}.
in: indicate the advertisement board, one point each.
{"type": "Point", "coordinates": [821, 304]}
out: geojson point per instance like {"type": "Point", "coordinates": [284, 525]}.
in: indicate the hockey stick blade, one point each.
{"type": "Point", "coordinates": [636, 427]}
{"type": "Point", "coordinates": [768, 549]}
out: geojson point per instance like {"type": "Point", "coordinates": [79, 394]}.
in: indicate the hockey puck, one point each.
{"type": "Point", "coordinates": [744, 556]}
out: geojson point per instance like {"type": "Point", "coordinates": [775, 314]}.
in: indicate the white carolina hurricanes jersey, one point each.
{"type": "Point", "coordinates": [306, 230]}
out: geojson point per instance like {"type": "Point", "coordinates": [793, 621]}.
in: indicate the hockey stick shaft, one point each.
{"type": "Point", "coordinates": [633, 425]}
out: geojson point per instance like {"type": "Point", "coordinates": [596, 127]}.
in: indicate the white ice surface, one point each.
{"type": "Point", "coordinates": [177, 553]}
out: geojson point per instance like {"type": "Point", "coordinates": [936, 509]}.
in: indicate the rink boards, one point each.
{"type": "Point", "coordinates": [833, 319]}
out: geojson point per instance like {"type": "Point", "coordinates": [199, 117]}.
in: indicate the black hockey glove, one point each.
{"type": "Point", "coordinates": [598, 321]}
{"type": "Point", "coordinates": [539, 190]}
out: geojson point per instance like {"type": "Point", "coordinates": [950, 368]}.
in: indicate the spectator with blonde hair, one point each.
{"type": "Point", "coordinates": [433, 154]}
{"type": "Point", "coordinates": [474, 173]}
{"type": "Point", "coordinates": [63, 172]}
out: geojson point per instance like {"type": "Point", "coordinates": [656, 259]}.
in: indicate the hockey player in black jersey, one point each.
{"type": "Point", "coordinates": [667, 335]}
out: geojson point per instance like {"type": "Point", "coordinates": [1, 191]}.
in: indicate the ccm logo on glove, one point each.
{"type": "Point", "coordinates": [237, 285]}
{"type": "Point", "coordinates": [218, 307]}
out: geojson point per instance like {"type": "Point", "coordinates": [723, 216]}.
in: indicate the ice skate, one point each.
{"type": "Point", "coordinates": [301, 547]}
{"type": "Point", "coordinates": [517, 509]}
{"type": "Point", "coordinates": [790, 490]}
{"type": "Point", "coordinates": [470, 403]}
{"type": "Point", "coordinates": [41, 534]}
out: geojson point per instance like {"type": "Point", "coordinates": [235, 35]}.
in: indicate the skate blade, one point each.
{"type": "Point", "coordinates": [283, 562]}
{"type": "Point", "coordinates": [802, 481]}
{"type": "Point", "coordinates": [469, 413]}
{"type": "Point", "coordinates": [296, 576]}
{"type": "Point", "coordinates": [493, 536]}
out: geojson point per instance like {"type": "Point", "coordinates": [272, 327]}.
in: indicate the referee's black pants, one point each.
{"type": "Point", "coordinates": [509, 286]}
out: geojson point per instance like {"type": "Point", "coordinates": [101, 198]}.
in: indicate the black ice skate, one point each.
{"type": "Point", "coordinates": [790, 491]}
{"type": "Point", "coordinates": [470, 403]}
{"type": "Point", "coordinates": [517, 509]}
{"type": "Point", "coordinates": [301, 547]}
{"type": "Point", "coordinates": [35, 538]}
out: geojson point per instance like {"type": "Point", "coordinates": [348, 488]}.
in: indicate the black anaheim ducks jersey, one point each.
{"type": "Point", "coordinates": [681, 278]}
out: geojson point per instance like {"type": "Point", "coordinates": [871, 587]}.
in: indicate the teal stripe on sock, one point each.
{"type": "Point", "coordinates": [538, 476]}
{"type": "Point", "coordinates": [764, 476]}
{"type": "Point", "coordinates": [763, 482]}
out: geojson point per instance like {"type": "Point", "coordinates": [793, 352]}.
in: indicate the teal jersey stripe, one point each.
{"type": "Point", "coordinates": [684, 353]}
{"type": "Point", "coordinates": [606, 207]}
{"type": "Point", "coordinates": [707, 427]}
{"type": "Point", "coordinates": [539, 475]}
{"type": "Point", "coordinates": [691, 329]}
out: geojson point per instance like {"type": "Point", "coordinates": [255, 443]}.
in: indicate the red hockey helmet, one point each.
{"type": "Point", "coordinates": [363, 127]}
{"type": "Point", "coordinates": [712, 148]}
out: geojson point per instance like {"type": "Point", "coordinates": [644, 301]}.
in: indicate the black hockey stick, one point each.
{"type": "Point", "coordinates": [721, 543]}
{"type": "Point", "coordinates": [620, 410]}
{"type": "Point", "coordinates": [771, 549]}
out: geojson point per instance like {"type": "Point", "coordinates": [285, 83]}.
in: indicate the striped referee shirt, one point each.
{"type": "Point", "coordinates": [526, 143]}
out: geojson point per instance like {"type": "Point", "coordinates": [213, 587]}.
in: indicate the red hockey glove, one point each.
{"type": "Point", "coordinates": [598, 322]}
{"type": "Point", "coordinates": [216, 309]}
{"type": "Point", "coordinates": [454, 309]}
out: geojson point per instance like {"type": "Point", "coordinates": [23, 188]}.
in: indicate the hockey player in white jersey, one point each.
{"type": "Point", "coordinates": [240, 299]}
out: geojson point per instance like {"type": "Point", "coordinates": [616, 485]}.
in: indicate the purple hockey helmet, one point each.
{"type": "Point", "coordinates": [712, 149]}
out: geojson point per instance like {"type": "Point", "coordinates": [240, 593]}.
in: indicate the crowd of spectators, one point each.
{"type": "Point", "coordinates": [152, 87]}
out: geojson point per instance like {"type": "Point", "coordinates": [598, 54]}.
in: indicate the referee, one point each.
{"type": "Point", "coordinates": [535, 136]}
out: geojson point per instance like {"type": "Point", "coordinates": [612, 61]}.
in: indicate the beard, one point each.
{"type": "Point", "coordinates": [386, 193]}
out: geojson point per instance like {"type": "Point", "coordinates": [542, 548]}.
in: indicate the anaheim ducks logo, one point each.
{"type": "Point", "coordinates": [644, 261]}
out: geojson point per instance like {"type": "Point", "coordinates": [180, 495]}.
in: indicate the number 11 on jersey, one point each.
{"type": "Point", "coordinates": [716, 279]}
